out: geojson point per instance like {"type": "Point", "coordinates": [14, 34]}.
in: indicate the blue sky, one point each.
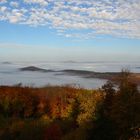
{"type": "Point", "coordinates": [80, 30]}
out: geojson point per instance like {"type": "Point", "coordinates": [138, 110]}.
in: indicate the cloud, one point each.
{"type": "Point", "coordinates": [77, 18]}
{"type": "Point", "coordinates": [41, 2]}
{"type": "Point", "coordinates": [3, 1]}
{"type": "Point", "coordinates": [15, 16]}
{"type": "Point", "coordinates": [14, 4]}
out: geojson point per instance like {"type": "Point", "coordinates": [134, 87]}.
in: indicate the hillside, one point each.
{"type": "Point", "coordinates": [69, 113]}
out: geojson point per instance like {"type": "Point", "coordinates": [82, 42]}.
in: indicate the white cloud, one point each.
{"type": "Point", "coordinates": [14, 4]}
{"type": "Point", "coordinates": [41, 2]}
{"type": "Point", "coordinates": [15, 17]}
{"type": "Point", "coordinates": [3, 1]}
{"type": "Point", "coordinates": [3, 9]}
{"type": "Point", "coordinates": [77, 18]}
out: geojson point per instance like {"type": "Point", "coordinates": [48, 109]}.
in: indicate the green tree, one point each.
{"type": "Point", "coordinates": [126, 107]}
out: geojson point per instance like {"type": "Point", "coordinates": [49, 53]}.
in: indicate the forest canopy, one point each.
{"type": "Point", "coordinates": [69, 113]}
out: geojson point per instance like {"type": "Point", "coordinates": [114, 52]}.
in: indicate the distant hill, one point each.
{"type": "Point", "coordinates": [6, 62]}
{"type": "Point", "coordinates": [33, 68]}
{"type": "Point", "coordinates": [113, 76]}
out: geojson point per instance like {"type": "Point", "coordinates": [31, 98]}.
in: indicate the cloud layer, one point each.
{"type": "Point", "coordinates": [77, 18]}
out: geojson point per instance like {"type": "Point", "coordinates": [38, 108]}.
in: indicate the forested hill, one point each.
{"type": "Point", "coordinates": [68, 113]}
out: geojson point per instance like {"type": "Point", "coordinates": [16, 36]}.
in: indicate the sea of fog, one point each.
{"type": "Point", "coordinates": [11, 75]}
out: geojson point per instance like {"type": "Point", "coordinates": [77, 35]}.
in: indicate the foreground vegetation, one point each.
{"type": "Point", "coordinates": [68, 113]}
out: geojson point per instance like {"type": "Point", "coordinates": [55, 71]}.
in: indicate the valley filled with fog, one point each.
{"type": "Point", "coordinates": [10, 73]}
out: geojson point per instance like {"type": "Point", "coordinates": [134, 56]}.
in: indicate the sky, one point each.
{"type": "Point", "coordinates": [78, 30]}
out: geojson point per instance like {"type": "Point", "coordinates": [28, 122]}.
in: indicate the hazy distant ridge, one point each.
{"type": "Point", "coordinates": [33, 69]}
